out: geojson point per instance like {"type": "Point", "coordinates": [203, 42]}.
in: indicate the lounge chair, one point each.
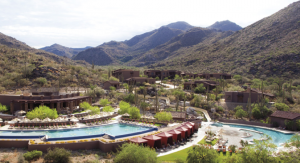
{"type": "Point", "coordinates": [40, 127]}
{"type": "Point", "coordinates": [10, 127]}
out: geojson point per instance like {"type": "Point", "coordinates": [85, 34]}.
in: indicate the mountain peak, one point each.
{"type": "Point", "coordinates": [225, 25]}
{"type": "Point", "coordinates": [180, 25]}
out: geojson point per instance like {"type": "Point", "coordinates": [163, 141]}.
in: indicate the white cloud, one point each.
{"type": "Point", "coordinates": [78, 23]}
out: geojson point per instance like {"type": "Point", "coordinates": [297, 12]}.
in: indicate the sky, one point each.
{"type": "Point", "coordinates": [81, 23]}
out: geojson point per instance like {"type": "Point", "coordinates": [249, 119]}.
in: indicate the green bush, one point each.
{"type": "Point", "coordinates": [134, 113]}
{"type": "Point", "coordinates": [281, 106]}
{"type": "Point", "coordinates": [238, 108]}
{"type": "Point", "coordinates": [164, 116]}
{"type": "Point", "coordinates": [3, 108]}
{"type": "Point", "coordinates": [32, 155]}
{"type": "Point", "coordinates": [58, 155]}
{"type": "Point", "coordinates": [240, 113]}
{"type": "Point", "coordinates": [134, 153]}
{"type": "Point", "coordinates": [124, 107]}
{"type": "Point", "coordinates": [42, 112]}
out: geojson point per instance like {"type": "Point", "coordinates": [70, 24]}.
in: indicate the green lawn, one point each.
{"type": "Point", "coordinates": [184, 153]}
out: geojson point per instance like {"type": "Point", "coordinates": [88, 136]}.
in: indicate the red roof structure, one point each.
{"type": "Point", "coordinates": [183, 130]}
{"type": "Point", "coordinates": [190, 128]}
{"type": "Point", "coordinates": [176, 134]}
{"type": "Point", "coordinates": [138, 140]}
{"type": "Point", "coordinates": [153, 141]}
{"type": "Point", "coordinates": [285, 115]}
{"type": "Point", "coordinates": [166, 138]}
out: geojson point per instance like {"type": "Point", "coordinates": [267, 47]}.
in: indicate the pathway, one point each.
{"type": "Point", "coordinates": [204, 112]}
{"type": "Point", "coordinates": [167, 85]}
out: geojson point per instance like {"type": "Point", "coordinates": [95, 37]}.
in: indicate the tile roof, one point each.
{"type": "Point", "coordinates": [285, 115]}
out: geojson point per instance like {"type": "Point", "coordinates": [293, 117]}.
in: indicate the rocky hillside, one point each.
{"type": "Point", "coordinates": [63, 51]}
{"type": "Point", "coordinates": [178, 45]}
{"type": "Point", "coordinates": [268, 47]}
{"type": "Point", "coordinates": [117, 53]}
{"type": "Point", "coordinates": [225, 26]}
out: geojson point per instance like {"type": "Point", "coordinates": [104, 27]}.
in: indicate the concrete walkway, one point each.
{"type": "Point", "coordinates": [204, 112]}
{"type": "Point", "coordinates": [167, 85]}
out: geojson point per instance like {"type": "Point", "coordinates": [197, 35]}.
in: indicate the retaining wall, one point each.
{"type": "Point", "coordinates": [14, 143]}
{"type": "Point", "coordinates": [245, 122]}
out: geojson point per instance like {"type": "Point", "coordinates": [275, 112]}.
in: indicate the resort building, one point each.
{"type": "Point", "coordinates": [242, 97]}
{"type": "Point", "coordinates": [64, 103]}
{"type": "Point", "coordinates": [162, 73]}
{"type": "Point", "coordinates": [108, 84]}
{"type": "Point", "coordinates": [140, 80]}
{"type": "Point", "coordinates": [123, 74]}
{"type": "Point", "coordinates": [206, 83]}
{"type": "Point", "coordinates": [214, 75]}
{"type": "Point", "coordinates": [279, 118]}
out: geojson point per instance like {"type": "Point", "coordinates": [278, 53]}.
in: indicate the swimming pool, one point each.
{"type": "Point", "coordinates": [277, 137]}
{"type": "Point", "coordinates": [114, 130]}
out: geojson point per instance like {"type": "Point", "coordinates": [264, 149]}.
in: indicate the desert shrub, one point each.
{"type": "Point", "coordinates": [2, 89]}
{"type": "Point", "coordinates": [240, 113]}
{"type": "Point", "coordinates": [200, 89]}
{"type": "Point", "coordinates": [42, 81]}
{"type": "Point", "coordinates": [32, 155]}
{"type": "Point", "coordinates": [93, 110]}
{"type": "Point", "coordinates": [237, 78]}
{"type": "Point", "coordinates": [113, 79]}
{"type": "Point", "coordinates": [21, 158]}
{"type": "Point", "coordinates": [235, 88]}
{"type": "Point", "coordinates": [8, 83]}
{"type": "Point", "coordinates": [133, 153]}
{"type": "Point", "coordinates": [3, 108]}
{"type": "Point", "coordinates": [42, 112]}
{"type": "Point", "coordinates": [281, 106]}
{"type": "Point", "coordinates": [57, 155]}
{"type": "Point", "coordinates": [129, 98]}
{"type": "Point", "coordinates": [194, 153]}
{"type": "Point", "coordinates": [164, 116]}
{"type": "Point", "coordinates": [238, 108]}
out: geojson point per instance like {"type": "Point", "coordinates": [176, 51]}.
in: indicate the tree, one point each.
{"type": "Point", "coordinates": [104, 102]}
{"type": "Point", "coordinates": [112, 88]}
{"type": "Point", "coordinates": [238, 78]}
{"type": "Point", "coordinates": [164, 116]}
{"type": "Point", "coordinates": [256, 113]}
{"type": "Point", "coordinates": [42, 112]}
{"type": "Point", "coordinates": [84, 105]}
{"type": "Point", "coordinates": [3, 108]}
{"type": "Point", "coordinates": [134, 153]}
{"type": "Point", "coordinates": [199, 89]}
{"type": "Point", "coordinates": [58, 155]}
{"type": "Point", "coordinates": [260, 152]}
{"type": "Point", "coordinates": [108, 109]}
{"type": "Point", "coordinates": [294, 141]}
{"type": "Point", "coordinates": [177, 80]}
{"type": "Point", "coordinates": [125, 85]}
{"type": "Point", "coordinates": [177, 93]}
{"type": "Point", "coordinates": [124, 107]}
{"type": "Point", "coordinates": [134, 113]}
{"type": "Point", "coordinates": [238, 108]}
{"type": "Point", "coordinates": [281, 106]}
{"type": "Point", "coordinates": [143, 106]}
{"type": "Point", "coordinates": [240, 113]}
{"type": "Point", "coordinates": [93, 110]}
{"type": "Point", "coordinates": [201, 154]}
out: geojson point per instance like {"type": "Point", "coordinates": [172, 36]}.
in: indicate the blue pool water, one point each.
{"type": "Point", "coordinates": [111, 129]}
{"type": "Point", "coordinates": [277, 137]}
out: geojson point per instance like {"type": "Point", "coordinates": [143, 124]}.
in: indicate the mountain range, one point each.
{"type": "Point", "coordinates": [126, 52]}
{"type": "Point", "coordinates": [63, 51]}
{"type": "Point", "coordinates": [268, 47]}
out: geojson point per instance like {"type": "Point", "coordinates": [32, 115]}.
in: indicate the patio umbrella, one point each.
{"type": "Point", "coordinates": [1, 120]}
{"type": "Point", "coordinates": [126, 115]}
{"type": "Point", "coordinates": [25, 120]}
{"type": "Point", "coordinates": [143, 116]}
{"type": "Point", "coordinates": [22, 112]}
{"type": "Point", "coordinates": [74, 119]}
{"type": "Point", "coordinates": [36, 120]}
{"type": "Point", "coordinates": [89, 117]}
{"type": "Point", "coordinates": [16, 120]}
{"type": "Point", "coordinates": [47, 120]}
{"type": "Point", "coordinates": [60, 119]}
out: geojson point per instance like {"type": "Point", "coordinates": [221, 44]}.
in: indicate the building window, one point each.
{"type": "Point", "coordinates": [152, 73]}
